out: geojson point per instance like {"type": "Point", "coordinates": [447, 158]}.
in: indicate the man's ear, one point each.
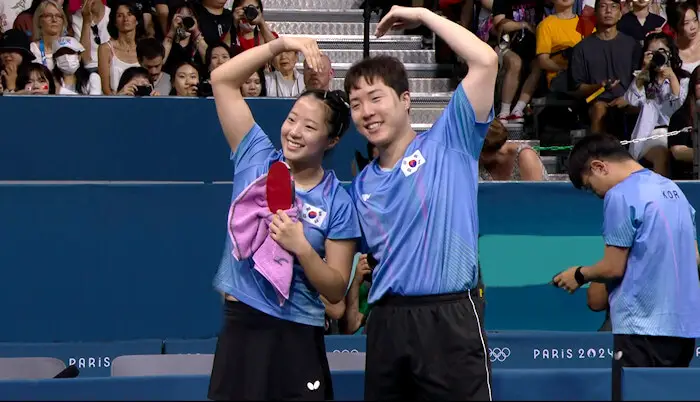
{"type": "Point", "coordinates": [406, 99]}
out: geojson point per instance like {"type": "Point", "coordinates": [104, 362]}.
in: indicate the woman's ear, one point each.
{"type": "Point", "coordinates": [332, 141]}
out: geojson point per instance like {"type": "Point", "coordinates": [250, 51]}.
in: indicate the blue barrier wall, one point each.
{"type": "Point", "coordinates": [118, 262]}
{"type": "Point", "coordinates": [120, 139]}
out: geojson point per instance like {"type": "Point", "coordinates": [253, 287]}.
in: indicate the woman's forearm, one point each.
{"type": "Point", "coordinates": [236, 71]}
{"type": "Point", "coordinates": [329, 282]}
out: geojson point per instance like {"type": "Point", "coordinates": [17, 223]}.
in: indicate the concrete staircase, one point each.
{"type": "Point", "coordinates": [337, 26]}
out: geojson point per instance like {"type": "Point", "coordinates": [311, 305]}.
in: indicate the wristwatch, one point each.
{"type": "Point", "coordinates": [579, 276]}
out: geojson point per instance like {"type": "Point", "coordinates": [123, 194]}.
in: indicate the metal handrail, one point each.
{"type": "Point", "coordinates": [366, 16]}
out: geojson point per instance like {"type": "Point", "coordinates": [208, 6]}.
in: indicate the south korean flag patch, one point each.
{"type": "Point", "coordinates": [313, 215]}
{"type": "Point", "coordinates": [411, 164]}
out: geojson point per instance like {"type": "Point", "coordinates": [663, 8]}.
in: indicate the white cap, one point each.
{"type": "Point", "coordinates": [69, 42]}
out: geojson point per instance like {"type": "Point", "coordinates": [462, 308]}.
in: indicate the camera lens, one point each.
{"type": "Point", "coordinates": [188, 22]}
{"type": "Point", "coordinates": [250, 12]}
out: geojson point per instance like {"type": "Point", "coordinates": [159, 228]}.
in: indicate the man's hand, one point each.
{"type": "Point", "coordinates": [399, 18]}
{"type": "Point", "coordinates": [566, 280]}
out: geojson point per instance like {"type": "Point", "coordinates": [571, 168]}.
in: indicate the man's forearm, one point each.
{"type": "Point", "coordinates": [600, 272]}
{"type": "Point", "coordinates": [464, 43]}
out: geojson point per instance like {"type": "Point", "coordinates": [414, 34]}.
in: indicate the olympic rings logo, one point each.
{"type": "Point", "coordinates": [498, 354]}
{"type": "Point", "coordinates": [346, 351]}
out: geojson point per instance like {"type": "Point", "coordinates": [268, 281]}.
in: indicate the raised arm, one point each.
{"type": "Point", "coordinates": [226, 81]}
{"type": "Point", "coordinates": [480, 82]}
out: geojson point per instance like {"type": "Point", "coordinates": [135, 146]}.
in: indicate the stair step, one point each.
{"type": "Point", "coordinates": [316, 15]}
{"type": "Point", "coordinates": [405, 56]}
{"type": "Point", "coordinates": [297, 27]}
{"type": "Point", "coordinates": [551, 163]}
{"type": "Point", "coordinates": [413, 70]}
{"type": "Point", "coordinates": [425, 115]}
{"type": "Point", "coordinates": [311, 4]}
{"type": "Point", "coordinates": [356, 42]}
{"type": "Point", "coordinates": [433, 99]}
{"type": "Point", "coordinates": [557, 177]}
{"type": "Point", "coordinates": [414, 84]}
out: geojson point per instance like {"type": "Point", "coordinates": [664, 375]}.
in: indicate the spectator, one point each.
{"type": "Point", "coordinates": [556, 38]}
{"type": "Point", "coordinates": [150, 53]}
{"type": "Point", "coordinates": [135, 82]}
{"type": "Point", "coordinates": [219, 54]}
{"type": "Point", "coordinates": [319, 79]}
{"type": "Point", "coordinates": [214, 20]}
{"type": "Point", "coordinates": [518, 19]}
{"type": "Point", "coordinates": [49, 23]}
{"type": "Point", "coordinates": [25, 20]}
{"type": "Point", "coordinates": [119, 53]}
{"type": "Point", "coordinates": [255, 85]}
{"type": "Point", "coordinates": [605, 59]}
{"type": "Point", "coordinates": [70, 74]}
{"type": "Point", "coordinates": [681, 145]}
{"type": "Point", "coordinates": [185, 81]}
{"type": "Point", "coordinates": [184, 42]}
{"type": "Point", "coordinates": [639, 22]}
{"type": "Point", "coordinates": [356, 306]}
{"type": "Point", "coordinates": [90, 27]}
{"type": "Point", "coordinates": [503, 160]}
{"type": "Point", "coordinates": [285, 80]}
{"type": "Point", "coordinates": [248, 34]}
{"type": "Point", "coordinates": [36, 79]}
{"type": "Point", "coordinates": [14, 54]}
{"type": "Point", "coordinates": [658, 91]}
{"type": "Point", "coordinates": [683, 18]}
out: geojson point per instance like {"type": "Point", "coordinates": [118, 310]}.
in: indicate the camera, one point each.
{"type": "Point", "coordinates": [142, 90]}
{"type": "Point", "coordinates": [250, 12]}
{"type": "Point", "coordinates": [659, 59]}
{"type": "Point", "coordinates": [188, 22]}
{"type": "Point", "coordinates": [204, 89]}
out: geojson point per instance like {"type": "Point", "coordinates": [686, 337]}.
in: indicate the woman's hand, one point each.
{"type": "Point", "coordinates": [666, 73]}
{"type": "Point", "coordinates": [647, 59]}
{"type": "Point", "coordinates": [287, 233]}
{"type": "Point", "coordinates": [308, 47]}
{"type": "Point", "coordinates": [362, 270]}
{"type": "Point", "coordinates": [86, 10]}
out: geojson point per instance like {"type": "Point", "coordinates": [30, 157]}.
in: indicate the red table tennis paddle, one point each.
{"type": "Point", "coordinates": [280, 187]}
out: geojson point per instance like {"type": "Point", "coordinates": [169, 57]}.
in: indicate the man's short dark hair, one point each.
{"type": "Point", "coordinates": [594, 146]}
{"type": "Point", "coordinates": [386, 68]}
{"type": "Point", "coordinates": [597, 3]}
{"type": "Point", "coordinates": [149, 49]}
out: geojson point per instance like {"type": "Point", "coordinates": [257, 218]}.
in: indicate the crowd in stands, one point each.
{"type": "Point", "coordinates": [96, 47]}
{"type": "Point", "coordinates": [630, 67]}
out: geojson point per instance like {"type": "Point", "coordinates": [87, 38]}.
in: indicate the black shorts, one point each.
{"type": "Point", "coordinates": [260, 357]}
{"type": "Point", "coordinates": [648, 351]}
{"type": "Point", "coordinates": [427, 348]}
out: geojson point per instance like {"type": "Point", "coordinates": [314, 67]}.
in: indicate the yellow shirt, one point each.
{"type": "Point", "coordinates": [555, 34]}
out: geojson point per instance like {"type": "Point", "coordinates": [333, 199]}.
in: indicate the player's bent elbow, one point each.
{"type": "Point", "coordinates": [216, 77]}
{"type": "Point", "coordinates": [597, 305]}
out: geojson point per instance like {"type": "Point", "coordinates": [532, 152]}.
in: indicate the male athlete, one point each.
{"type": "Point", "coordinates": [650, 261]}
{"type": "Point", "coordinates": [418, 211]}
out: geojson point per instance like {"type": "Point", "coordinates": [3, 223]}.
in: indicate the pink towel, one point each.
{"type": "Point", "coordinates": [248, 227]}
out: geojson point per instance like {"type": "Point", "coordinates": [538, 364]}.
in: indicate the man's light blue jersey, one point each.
{"type": "Point", "coordinates": [420, 219]}
{"type": "Point", "coordinates": [659, 294]}
{"type": "Point", "coordinates": [332, 217]}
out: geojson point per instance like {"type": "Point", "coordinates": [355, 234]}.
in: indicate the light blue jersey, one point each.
{"type": "Point", "coordinates": [659, 294]}
{"type": "Point", "coordinates": [420, 219]}
{"type": "Point", "coordinates": [252, 159]}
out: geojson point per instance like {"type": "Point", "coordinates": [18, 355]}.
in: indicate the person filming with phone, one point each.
{"type": "Point", "coordinates": [134, 82]}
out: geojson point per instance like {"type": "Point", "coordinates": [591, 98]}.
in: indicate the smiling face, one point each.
{"type": "Point", "coordinates": [378, 112]}
{"type": "Point", "coordinates": [304, 134]}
